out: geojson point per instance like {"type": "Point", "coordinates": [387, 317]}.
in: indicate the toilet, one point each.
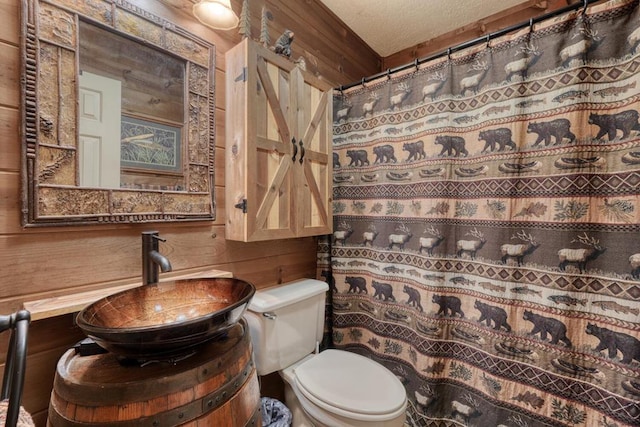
{"type": "Point", "coordinates": [332, 388]}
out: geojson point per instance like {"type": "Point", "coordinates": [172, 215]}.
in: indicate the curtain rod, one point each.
{"type": "Point", "coordinates": [486, 38]}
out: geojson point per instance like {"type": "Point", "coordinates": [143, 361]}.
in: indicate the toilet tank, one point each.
{"type": "Point", "coordinates": [285, 322]}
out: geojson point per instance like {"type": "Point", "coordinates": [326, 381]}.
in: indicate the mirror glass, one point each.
{"type": "Point", "coordinates": [131, 113]}
{"type": "Point", "coordinates": [118, 123]}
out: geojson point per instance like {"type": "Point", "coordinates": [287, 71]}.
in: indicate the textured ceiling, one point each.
{"type": "Point", "coordinates": [388, 26]}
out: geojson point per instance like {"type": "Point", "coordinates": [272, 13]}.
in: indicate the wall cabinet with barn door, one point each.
{"type": "Point", "coordinates": [278, 146]}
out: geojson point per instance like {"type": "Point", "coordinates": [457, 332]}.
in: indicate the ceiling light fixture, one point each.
{"type": "Point", "coordinates": [216, 14]}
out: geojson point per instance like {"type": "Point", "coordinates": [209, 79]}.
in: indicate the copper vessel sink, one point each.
{"type": "Point", "coordinates": [168, 319]}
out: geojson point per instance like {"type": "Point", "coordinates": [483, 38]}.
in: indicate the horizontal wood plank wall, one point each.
{"type": "Point", "coordinates": [512, 16]}
{"type": "Point", "coordinates": [44, 262]}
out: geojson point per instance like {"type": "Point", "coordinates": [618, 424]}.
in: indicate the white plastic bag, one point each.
{"type": "Point", "coordinates": [275, 413]}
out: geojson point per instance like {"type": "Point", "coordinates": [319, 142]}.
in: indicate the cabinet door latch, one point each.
{"type": "Point", "coordinates": [242, 205]}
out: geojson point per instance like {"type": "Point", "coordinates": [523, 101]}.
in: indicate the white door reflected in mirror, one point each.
{"type": "Point", "coordinates": [99, 131]}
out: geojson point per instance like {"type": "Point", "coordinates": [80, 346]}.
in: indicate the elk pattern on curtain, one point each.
{"type": "Point", "coordinates": [486, 210]}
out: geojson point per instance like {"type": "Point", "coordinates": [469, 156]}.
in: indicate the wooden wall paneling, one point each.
{"type": "Point", "coordinates": [219, 167]}
{"type": "Point", "coordinates": [9, 75]}
{"type": "Point", "coordinates": [10, 30]}
{"type": "Point", "coordinates": [40, 274]}
{"type": "Point", "coordinates": [512, 16]}
{"type": "Point", "coordinates": [264, 272]}
{"type": "Point", "coordinates": [40, 372]}
{"type": "Point", "coordinates": [234, 252]}
{"type": "Point", "coordinates": [37, 263]}
{"type": "Point", "coordinates": [322, 45]}
{"type": "Point", "coordinates": [45, 335]}
{"type": "Point", "coordinates": [344, 60]}
{"type": "Point", "coordinates": [220, 142]}
{"type": "Point", "coordinates": [39, 375]}
{"type": "Point", "coordinates": [10, 204]}
{"type": "Point", "coordinates": [330, 49]}
{"type": "Point", "coordinates": [220, 129]}
{"type": "Point", "coordinates": [220, 207]}
{"type": "Point", "coordinates": [220, 90]}
{"type": "Point", "coordinates": [9, 132]}
{"type": "Point", "coordinates": [282, 19]}
{"type": "Point", "coordinates": [319, 21]}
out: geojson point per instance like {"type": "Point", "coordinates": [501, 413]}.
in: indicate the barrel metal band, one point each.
{"type": "Point", "coordinates": [255, 420]}
{"type": "Point", "coordinates": [221, 395]}
{"type": "Point", "coordinates": [176, 416]}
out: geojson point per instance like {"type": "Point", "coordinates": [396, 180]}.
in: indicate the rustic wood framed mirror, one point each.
{"type": "Point", "coordinates": [153, 104]}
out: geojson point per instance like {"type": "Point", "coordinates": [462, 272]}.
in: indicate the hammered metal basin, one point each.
{"type": "Point", "coordinates": [167, 319]}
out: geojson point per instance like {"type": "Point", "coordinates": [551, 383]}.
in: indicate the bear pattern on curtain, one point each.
{"type": "Point", "coordinates": [486, 210]}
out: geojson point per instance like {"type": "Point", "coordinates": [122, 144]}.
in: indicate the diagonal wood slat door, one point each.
{"type": "Point", "coordinates": [278, 159]}
{"type": "Point", "coordinates": [314, 124]}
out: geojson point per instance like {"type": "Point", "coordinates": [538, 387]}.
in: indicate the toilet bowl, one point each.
{"type": "Point", "coordinates": [339, 388]}
{"type": "Point", "coordinates": [333, 388]}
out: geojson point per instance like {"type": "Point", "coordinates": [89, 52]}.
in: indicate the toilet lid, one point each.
{"type": "Point", "coordinates": [351, 382]}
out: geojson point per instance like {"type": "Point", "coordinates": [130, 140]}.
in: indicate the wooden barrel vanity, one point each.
{"type": "Point", "coordinates": [217, 386]}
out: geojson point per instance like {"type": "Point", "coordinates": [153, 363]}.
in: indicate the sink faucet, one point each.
{"type": "Point", "coordinates": [152, 259]}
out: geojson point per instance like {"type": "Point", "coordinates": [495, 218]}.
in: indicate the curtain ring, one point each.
{"type": "Point", "coordinates": [449, 54]}
{"type": "Point", "coordinates": [584, 9]}
{"type": "Point", "coordinates": [341, 89]}
{"type": "Point", "coordinates": [362, 83]}
{"type": "Point", "coordinates": [416, 64]}
{"type": "Point", "coordinates": [388, 73]}
{"type": "Point", "coordinates": [531, 25]}
{"type": "Point", "coordinates": [488, 40]}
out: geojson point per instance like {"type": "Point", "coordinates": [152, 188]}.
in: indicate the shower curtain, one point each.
{"type": "Point", "coordinates": [486, 210]}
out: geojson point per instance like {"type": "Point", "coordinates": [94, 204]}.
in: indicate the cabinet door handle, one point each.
{"type": "Point", "coordinates": [301, 152]}
{"type": "Point", "coordinates": [295, 149]}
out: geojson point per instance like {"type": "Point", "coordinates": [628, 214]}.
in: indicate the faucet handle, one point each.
{"type": "Point", "coordinates": [150, 236]}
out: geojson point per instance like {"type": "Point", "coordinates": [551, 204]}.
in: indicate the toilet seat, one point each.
{"type": "Point", "coordinates": [350, 385]}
